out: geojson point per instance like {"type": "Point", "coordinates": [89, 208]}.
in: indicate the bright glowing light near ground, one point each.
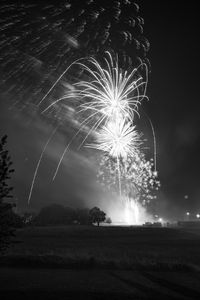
{"type": "Point", "coordinates": [127, 211]}
{"type": "Point", "coordinates": [187, 213]}
{"type": "Point", "coordinates": [198, 216]}
{"type": "Point", "coordinates": [131, 213]}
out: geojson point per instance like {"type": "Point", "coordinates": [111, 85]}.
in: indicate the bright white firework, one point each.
{"type": "Point", "coordinates": [112, 92]}
{"type": "Point", "coordinates": [118, 139]}
{"type": "Point", "coordinates": [108, 92]}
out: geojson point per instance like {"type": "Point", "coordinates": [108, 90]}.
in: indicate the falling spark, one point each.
{"type": "Point", "coordinates": [39, 162]}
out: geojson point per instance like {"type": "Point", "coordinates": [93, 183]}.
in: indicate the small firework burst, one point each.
{"type": "Point", "coordinates": [118, 139]}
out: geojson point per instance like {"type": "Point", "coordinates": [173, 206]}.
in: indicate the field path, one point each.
{"type": "Point", "coordinates": [97, 284]}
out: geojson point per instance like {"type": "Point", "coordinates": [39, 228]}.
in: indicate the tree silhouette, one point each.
{"type": "Point", "coordinates": [6, 221]}
{"type": "Point", "coordinates": [97, 215]}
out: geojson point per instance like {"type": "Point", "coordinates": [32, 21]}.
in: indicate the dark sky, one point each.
{"type": "Point", "coordinates": [173, 32]}
{"type": "Point", "coordinates": [172, 28]}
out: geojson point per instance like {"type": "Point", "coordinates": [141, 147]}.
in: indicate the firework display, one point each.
{"type": "Point", "coordinates": [83, 64]}
{"type": "Point", "coordinates": [108, 102]}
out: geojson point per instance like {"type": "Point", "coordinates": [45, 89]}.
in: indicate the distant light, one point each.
{"type": "Point", "coordinates": [186, 196]}
{"type": "Point", "coordinates": [156, 216]}
{"type": "Point", "coordinates": [198, 216]}
{"type": "Point", "coordinates": [160, 219]}
{"type": "Point", "coordinates": [187, 213]}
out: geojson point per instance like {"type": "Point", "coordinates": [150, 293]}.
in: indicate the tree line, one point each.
{"type": "Point", "coordinates": [56, 214]}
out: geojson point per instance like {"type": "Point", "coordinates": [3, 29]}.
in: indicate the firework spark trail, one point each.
{"type": "Point", "coordinates": [82, 124]}
{"type": "Point", "coordinates": [119, 176]}
{"type": "Point", "coordinates": [109, 92]}
{"type": "Point", "coordinates": [39, 161]}
{"type": "Point", "coordinates": [68, 145]}
{"type": "Point", "coordinates": [154, 143]}
{"type": "Point", "coordinates": [58, 80]}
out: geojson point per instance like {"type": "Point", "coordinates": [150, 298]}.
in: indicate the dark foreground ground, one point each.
{"type": "Point", "coordinates": [102, 263]}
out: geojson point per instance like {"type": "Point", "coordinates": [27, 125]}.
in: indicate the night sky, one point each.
{"type": "Point", "coordinates": [173, 32]}
{"type": "Point", "coordinates": [172, 28]}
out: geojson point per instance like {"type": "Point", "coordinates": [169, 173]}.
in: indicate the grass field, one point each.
{"type": "Point", "coordinates": [87, 262]}
{"type": "Point", "coordinates": [120, 247]}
